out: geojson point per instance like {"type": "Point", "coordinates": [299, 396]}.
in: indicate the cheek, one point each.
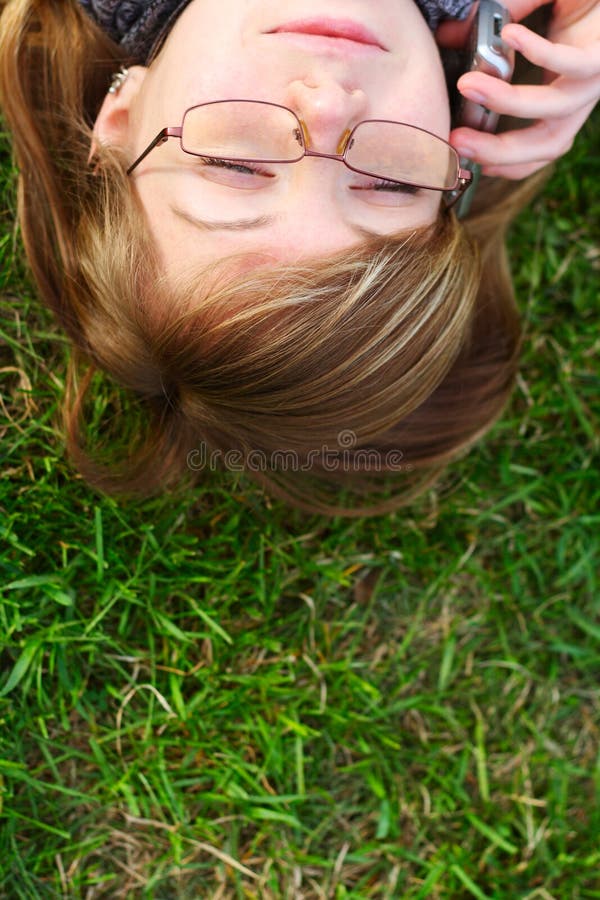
{"type": "Point", "coordinates": [423, 101]}
{"type": "Point", "coordinates": [223, 74]}
{"type": "Point", "coordinates": [422, 86]}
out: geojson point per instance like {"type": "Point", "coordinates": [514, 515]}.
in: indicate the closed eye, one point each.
{"type": "Point", "coordinates": [391, 186]}
{"type": "Point", "coordinates": [241, 175]}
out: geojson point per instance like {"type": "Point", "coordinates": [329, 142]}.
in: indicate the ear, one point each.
{"type": "Point", "coordinates": [113, 123]}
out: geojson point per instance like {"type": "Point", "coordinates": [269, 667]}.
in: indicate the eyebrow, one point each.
{"type": "Point", "coordinates": [248, 224]}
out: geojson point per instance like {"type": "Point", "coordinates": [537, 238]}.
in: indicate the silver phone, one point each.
{"type": "Point", "coordinates": [487, 53]}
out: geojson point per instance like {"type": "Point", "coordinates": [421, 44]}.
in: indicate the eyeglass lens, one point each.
{"type": "Point", "coordinates": [247, 130]}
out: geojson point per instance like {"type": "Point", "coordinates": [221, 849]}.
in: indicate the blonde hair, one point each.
{"type": "Point", "coordinates": [408, 345]}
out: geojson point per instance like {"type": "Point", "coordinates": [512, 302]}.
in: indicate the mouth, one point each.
{"type": "Point", "coordinates": [334, 29]}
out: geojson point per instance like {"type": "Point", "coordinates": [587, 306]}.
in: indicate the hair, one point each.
{"type": "Point", "coordinates": [405, 348]}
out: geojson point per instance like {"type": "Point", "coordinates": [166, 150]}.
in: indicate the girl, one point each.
{"type": "Point", "coordinates": [329, 325]}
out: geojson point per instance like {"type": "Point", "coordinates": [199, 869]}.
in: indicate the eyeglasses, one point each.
{"type": "Point", "coordinates": [253, 131]}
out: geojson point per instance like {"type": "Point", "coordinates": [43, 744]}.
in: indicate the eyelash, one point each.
{"type": "Point", "coordinates": [392, 186]}
{"type": "Point", "coordinates": [398, 187]}
{"type": "Point", "coordinates": [236, 167]}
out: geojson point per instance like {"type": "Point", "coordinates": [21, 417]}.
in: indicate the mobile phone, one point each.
{"type": "Point", "coordinates": [486, 52]}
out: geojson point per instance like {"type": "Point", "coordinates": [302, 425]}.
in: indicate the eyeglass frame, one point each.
{"type": "Point", "coordinates": [463, 177]}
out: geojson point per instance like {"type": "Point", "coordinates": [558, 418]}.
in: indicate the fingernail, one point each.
{"type": "Point", "coordinates": [473, 95]}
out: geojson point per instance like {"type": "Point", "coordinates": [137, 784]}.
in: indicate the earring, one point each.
{"type": "Point", "coordinates": [118, 80]}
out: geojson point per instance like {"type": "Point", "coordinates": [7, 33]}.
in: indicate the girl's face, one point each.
{"type": "Point", "coordinates": [232, 49]}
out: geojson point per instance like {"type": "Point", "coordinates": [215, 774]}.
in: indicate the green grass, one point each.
{"type": "Point", "coordinates": [212, 696]}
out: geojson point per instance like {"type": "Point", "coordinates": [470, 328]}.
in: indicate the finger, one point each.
{"type": "Point", "coordinates": [513, 148]}
{"type": "Point", "coordinates": [568, 12]}
{"type": "Point", "coordinates": [514, 173]}
{"type": "Point", "coordinates": [543, 141]}
{"type": "Point", "coordinates": [556, 99]}
{"type": "Point", "coordinates": [519, 9]}
{"type": "Point", "coordinates": [574, 62]}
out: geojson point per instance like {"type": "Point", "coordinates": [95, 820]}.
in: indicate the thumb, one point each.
{"type": "Point", "coordinates": [452, 34]}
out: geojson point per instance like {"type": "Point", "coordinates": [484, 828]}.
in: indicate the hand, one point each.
{"type": "Point", "coordinates": [570, 58]}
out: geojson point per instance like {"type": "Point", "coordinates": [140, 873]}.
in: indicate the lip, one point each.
{"type": "Point", "coordinates": [333, 29]}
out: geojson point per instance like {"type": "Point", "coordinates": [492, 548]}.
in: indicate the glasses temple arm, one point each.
{"type": "Point", "coordinates": [160, 138]}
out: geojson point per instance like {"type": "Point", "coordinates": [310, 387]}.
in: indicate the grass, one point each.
{"type": "Point", "coordinates": [212, 696]}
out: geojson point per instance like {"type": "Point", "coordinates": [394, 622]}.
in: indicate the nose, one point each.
{"type": "Point", "coordinates": [328, 109]}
